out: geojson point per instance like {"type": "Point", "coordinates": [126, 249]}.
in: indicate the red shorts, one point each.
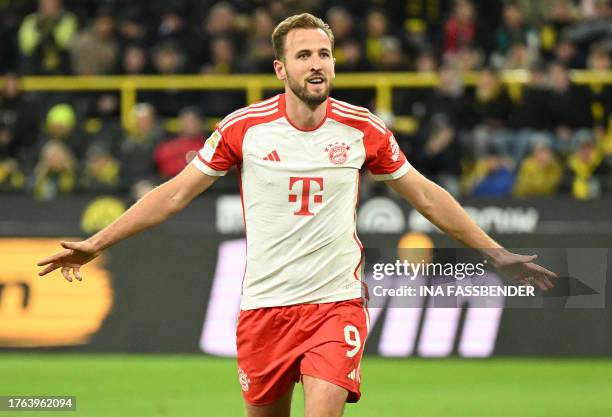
{"type": "Point", "coordinates": [277, 345]}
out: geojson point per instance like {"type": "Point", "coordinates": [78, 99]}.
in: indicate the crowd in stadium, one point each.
{"type": "Point", "coordinates": [552, 137]}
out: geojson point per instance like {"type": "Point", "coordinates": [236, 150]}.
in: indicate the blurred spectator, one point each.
{"type": "Point", "coordinates": [168, 59]}
{"type": "Point", "coordinates": [174, 26]}
{"type": "Point", "coordinates": [519, 56]}
{"type": "Point", "coordinates": [134, 22]}
{"type": "Point", "coordinates": [442, 116]}
{"type": "Point", "coordinates": [18, 121]}
{"type": "Point", "coordinates": [104, 127]}
{"type": "Point", "coordinates": [377, 28]}
{"type": "Point", "coordinates": [491, 176]}
{"type": "Point", "coordinates": [531, 119]}
{"type": "Point", "coordinates": [101, 171]}
{"type": "Point", "coordinates": [223, 59]}
{"type": "Point", "coordinates": [260, 53]}
{"type": "Point", "coordinates": [601, 94]}
{"type": "Point", "coordinates": [134, 60]}
{"type": "Point", "coordinates": [566, 53]}
{"type": "Point", "coordinates": [568, 108]}
{"type": "Point", "coordinates": [392, 58]}
{"type": "Point", "coordinates": [221, 21]}
{"type": "Point", "coordinates": [492, 112]}
{"type": "Point", "coordinates": [60, 127]}
{"type": "Point", "coordinates": [513, 30]}
{"type": "Point", "coordinates": [56, 171]}
{"type": "Point", "coordinates": [560, 15]}
{"type": "Point", "coordinates": [464, 29]}
{"type": "Point", "coordinates": [136, 151]}
{"type": "Point", "coordinates": [539, 174]}
{"type": "Point", "coordinates": [44, 38]}
{"type": "Point", "coordinates": [173, 155]}
{"type": "Point", "coordinates": [95, 51]}
{"type": "Point", "coordinates": [586, 169]}
{"type": "Point", "coordinates": [342, 24]}
{"type": "Point", "coordinates": [466, 59]}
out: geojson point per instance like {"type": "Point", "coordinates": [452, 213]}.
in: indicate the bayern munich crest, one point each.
{"type": "Point", "coordinates": [337, 152]}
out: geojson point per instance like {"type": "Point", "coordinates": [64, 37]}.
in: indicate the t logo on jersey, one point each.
{"type": "Point", "coordinates": [305, 195]}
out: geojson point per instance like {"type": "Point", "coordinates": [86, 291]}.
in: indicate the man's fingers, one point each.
{"type": "Point", "coordinates": [547, 282]}
{"type": "Point", "coordinates": [77, 273]}
{"type": "Point", "coordinates": [48, 269]}
{"type": "Point", "coordinates": [540, 270]}
{"type": "Point", "coordinates": [55, 258]}
{"type": "Point", "coordinates": [529, 258]}
{"type": "Point", "coordinates": [66, 273]}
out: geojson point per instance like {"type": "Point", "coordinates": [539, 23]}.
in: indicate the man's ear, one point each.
{"type": "Point", "coordinates": [279, 70]}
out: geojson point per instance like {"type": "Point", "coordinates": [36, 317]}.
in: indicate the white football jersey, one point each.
{"type": "Point", "coordinates": [299, 191]}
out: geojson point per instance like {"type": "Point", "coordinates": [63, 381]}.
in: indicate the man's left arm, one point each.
{"type": "Point", "coordinates": [441, 209]}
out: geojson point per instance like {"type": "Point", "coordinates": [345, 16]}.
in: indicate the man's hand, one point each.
{"type": "Point", "coordinates": [70, 259]}
{"type": "Point", "coordinates": [522, 268]}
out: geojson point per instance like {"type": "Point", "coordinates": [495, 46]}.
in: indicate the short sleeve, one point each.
{"type": "Point", "coordinates": [384, 158]}
{"type": "Point", "coordinates": [218, 154]}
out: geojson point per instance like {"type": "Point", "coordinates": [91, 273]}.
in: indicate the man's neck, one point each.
{"type": "Point", "coordinates": [301, 114]}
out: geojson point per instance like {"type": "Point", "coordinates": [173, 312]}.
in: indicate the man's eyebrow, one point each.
{"type": "Point", "coordinates": [301, 51]}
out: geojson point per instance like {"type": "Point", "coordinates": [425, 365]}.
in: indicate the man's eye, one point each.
{"type": "Point", "coordinates": [302, 56]}
{"type": "Point", "coordinates": [325, 54]}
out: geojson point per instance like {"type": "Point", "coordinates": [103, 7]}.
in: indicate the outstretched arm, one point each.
{"type": "Point", "coordinates": [151, 210]}
{"type": "Point", "coordinates": [439, 207]}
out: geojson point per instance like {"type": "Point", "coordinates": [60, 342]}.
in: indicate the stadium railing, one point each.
{"type": "Point", "coordinates": [255, 84]}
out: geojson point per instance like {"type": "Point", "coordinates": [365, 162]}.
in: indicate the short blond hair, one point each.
{"type": "Point", "coordinates": [298, 21]}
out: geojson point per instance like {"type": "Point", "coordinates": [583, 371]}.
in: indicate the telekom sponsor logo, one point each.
{"type": "Point", "coordinates": [304, 196]}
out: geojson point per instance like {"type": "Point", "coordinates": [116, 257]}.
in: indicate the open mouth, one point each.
{"type": "Point", "coordinates": [316, 80]}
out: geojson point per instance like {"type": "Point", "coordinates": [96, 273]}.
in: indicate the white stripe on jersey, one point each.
{"type": "Point", "coordinates": [345, 106]}
{"type": "Point", "coordinates": [354, 116]}
{"type": "Point", "coordinates": [264, 105]}
{"type": "Point", "coordinates": [246, 116]}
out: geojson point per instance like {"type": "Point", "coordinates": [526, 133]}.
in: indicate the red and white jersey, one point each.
{"type": "Point", "coordinates": [299, 194]}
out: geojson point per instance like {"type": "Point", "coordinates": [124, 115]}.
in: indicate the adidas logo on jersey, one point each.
{"type": "Point", "coordinates": [273, 156]}
{"type": "Point", "coordinates": [354, 375]}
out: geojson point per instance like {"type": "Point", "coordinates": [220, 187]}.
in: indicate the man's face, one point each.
{"type": "Point", "coordinates": [308, 66]}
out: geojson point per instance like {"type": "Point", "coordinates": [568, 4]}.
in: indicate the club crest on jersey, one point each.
{"type": "Point", "coordinates": [395, 149]}
{"type": "Point", "coordinates": [337, 152]}
{"type": "Point", "coordinates": [244, 379]}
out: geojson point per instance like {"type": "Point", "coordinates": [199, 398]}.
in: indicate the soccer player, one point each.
{"type": "Point", "coordinates": [299, 156]}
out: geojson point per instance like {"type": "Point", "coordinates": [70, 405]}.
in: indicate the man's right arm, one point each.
{"type": "Point", "coordinates": [154, 208]}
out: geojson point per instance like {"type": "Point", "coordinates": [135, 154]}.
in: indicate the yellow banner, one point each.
{"type": "Point", "coordinates": [48, 311]}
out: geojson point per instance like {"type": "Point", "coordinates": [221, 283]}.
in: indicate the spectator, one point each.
{"type": "Point", "coordinates": [222, 21]}
{"type": "Point", "coordinates": [95, 51]}
{"type": "Point", "coordinates": [513, 30]}
{"type": "Point", "coordinates": [492, 111]}
{"type": "Point", "coordinates": [441, 116]}
{"type": "Point", "coordinates": [531, 119]}
{"type": "Point", "coordinates": [60, 127]}
{"type": "Point", "coordinates": [568, 107]}
{"type": "Point", "coordinates": [342, 24]}
{"type": "Point", "coordinates": [173, 155]}
{"type": "Point", "coordinates": [392, 58]}
{"type": "Point", "coordinates": [377, 28]}
{"type": "Point", "coordinates": [567, 54]}
{"type": "Point", "coordinates": [134, 61]}
{"type": "Point", "coordinates": [136, 151]}
{"type": "Point", "coordinates": [491, 177]}
{"type": "Point", "coordinates": [56, 171]}
{"type": "Point", "coordinates": [601, 94]}
{"type": "Point", "coordinates": [101, 171]}
{"type": "Point", "coordinates": [586, 169]}
{"type": "Point", "coordinates": [518, 57]}
{"type": "Point", "coordinates": [168, 59]}
{"type": "Point", "coordinates": [464, 29]}
{"type": "Point", "coordinates": [18, 121]}
{"type": "Point", "coordinates": [539, 174]}
{"type": "Point", "coordinates": [44, 38]}
{"type": "Point", "coordinates": [260, 53]}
